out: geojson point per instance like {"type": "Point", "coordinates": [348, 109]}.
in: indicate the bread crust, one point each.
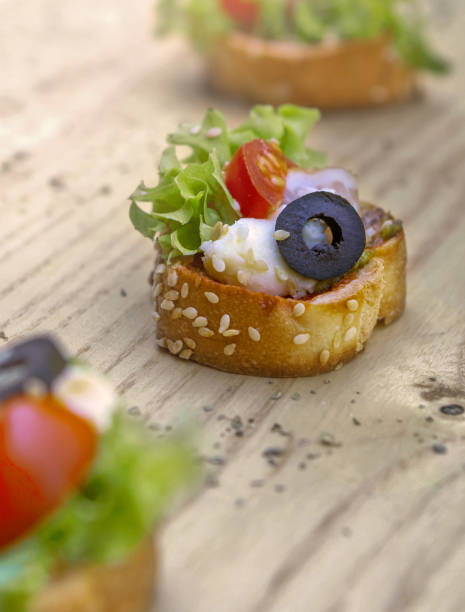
{"type": "Point", "coordinates": [233, 329]}
{"type": "Point", "coordinates": [124, 587]}
{"type": "Point", "coordinates": [340, 74]}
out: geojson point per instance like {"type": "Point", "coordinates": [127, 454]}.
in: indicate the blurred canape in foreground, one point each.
{"type": "Point", "coordinates": [81, 488]}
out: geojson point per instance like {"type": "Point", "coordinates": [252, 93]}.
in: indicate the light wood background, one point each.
{"type": "Point", "coordinates": [376, 524]}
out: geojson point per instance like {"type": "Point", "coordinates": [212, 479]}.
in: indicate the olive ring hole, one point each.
{"type": "Point", "coordinates": [321, 230]}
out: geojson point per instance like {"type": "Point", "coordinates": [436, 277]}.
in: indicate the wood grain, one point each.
{"type": "Point", "coordinates": [86, 98]}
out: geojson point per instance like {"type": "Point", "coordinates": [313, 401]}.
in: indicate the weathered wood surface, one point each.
{"type": "Point", "coordinates": [86, 98]}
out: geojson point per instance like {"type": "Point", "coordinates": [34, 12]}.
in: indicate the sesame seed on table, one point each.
{"type": "Point", "coordinates": [368, 515]}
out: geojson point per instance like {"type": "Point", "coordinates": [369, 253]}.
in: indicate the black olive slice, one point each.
{"type": "Point", "coordinates": [322, 261]}
{"type": "Point", "coordinates": [36, 359]}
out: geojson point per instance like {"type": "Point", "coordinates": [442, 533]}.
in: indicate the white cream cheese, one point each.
{"type": "Point", "coordinates": [87, 394]}
{"type": "Point", "coordinates": [247, 254]}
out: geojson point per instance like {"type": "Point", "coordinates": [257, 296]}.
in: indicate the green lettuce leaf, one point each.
{"type": "Point", "coordinates": [191, 196]}
{"type": "Point", "coordinates": [132, 481]}
{"type": "Point", "coordinates": [310, 21]}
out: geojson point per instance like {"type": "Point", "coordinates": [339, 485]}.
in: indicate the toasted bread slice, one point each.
{"type": "Point", "coordinates": [125, 587]}
{"type": "Point", "coordinates": [341, 74]}
{"type": "Point", "coordinates": [234, 329]}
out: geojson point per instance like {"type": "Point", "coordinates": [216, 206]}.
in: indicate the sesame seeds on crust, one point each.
{"type": "Point", "coordinates": [291, 341]}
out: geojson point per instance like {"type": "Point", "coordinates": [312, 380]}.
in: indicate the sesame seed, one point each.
{"type": "Point", "coordinates": [190, 343]}
{"type": "Point", "coordinates": [301, 338]}
{"type": "Point", "coordinates": [200, 322]}
{"type": "Point", "coordinates": [249, 257]}
{"type": "Point", "coordinates": [214, 132]}
{"type": "Point", "coordinates": [281, 235]}
{"type": "Point", "coordinates": [280, 274]}
{"type": "Point", "coordinates": [231, 332]}
{"type": "Point", "coordinates": [205, 332]}
{"type": "Point", "coordinates": [349, 319]}
{"type": "Point", "coordinates": [185, 354]}
{"type": "Point", "coordinates": [195, 129]}
{"type": "Point", "coordinates": [261, 266]}
{"type": "Point", "coordinates": [184, 290]}
{"type": "Point", "coordinates": [291, 287]}
{"type": "Point", "coordinates": [167, 305]}
{"type": "Point", "coordinates": [162, 342]}
{"type": "Point", "coordinates": [157, 290]}
{"type": "Point", "coordinates": [352, 305]}
{"type": "Point", "coordinates": [242, 277]}
{"type": "Point", "coordinates": [324, 357]}
{"type": "Point", "coordinates": [212, 297]}
{"type": "Point", "coordinates": [254, 334]}
{"type": "Point", "coordinates": [224, 323]}
{"type": "Point", "coordinates": [160, 269]}
{"type": "Point", "coordinates": [174, 347]}
{"type": "Point", "coordinates": [235, 205]}
{"type": "Point", "coordinates": [155, 315]}
{"type": "Point", "coordinates": [337, 340]}
{"type": "Point", "coordinates": [339, 366]}
{"type": "Point", "coordinates": [190, 312]}
{"type": "Point", "coordinates": [229, 349]}
{"type": "Point", "coordinates": [172, 294]}
{"type": "Point", "coordinates": [299, 309]}
{"type": "Point", "coordinates": [176, 314]}
{"type": "Point", "coordinates": [218, 264]}
{"type": "Point", "coordinates": [350, 334]}
{"type": "Point", "coordinates": [216, 231]}
{"type": "Point", "coordinates": [172, 278]}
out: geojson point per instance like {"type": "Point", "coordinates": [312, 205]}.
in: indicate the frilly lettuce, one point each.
{"type": "Point", "coordinates": [191, 197]}
{"type": "Point", "coordinates": [310, 21]}
{"type": "Point", "coordinates": [130, 485]}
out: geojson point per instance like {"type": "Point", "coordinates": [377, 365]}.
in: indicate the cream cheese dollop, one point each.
{"type": "Point", "coordinates": [87, 394]}
{"type": "Point", "coordinates": [246, 253]}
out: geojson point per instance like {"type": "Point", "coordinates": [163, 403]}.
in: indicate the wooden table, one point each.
{"type": "Point", "coordinates": [373, 524]}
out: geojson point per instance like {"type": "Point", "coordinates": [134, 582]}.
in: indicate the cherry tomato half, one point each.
{"type": "Point", "coordinates": [256, 177]}
{"type": "Point", "coordinates": [45, 452]}
{"type": "Point", "coordinates": [242, 11]}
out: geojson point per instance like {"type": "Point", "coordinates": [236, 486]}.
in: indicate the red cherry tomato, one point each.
{"type": "Point", "coordinates": [256, 177]}
{"type": "Point", "coordinates": [45, 451]}
{"type": "Point", "coordinates": [242, 11]}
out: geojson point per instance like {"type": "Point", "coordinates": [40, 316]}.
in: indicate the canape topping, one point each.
{"type": "Point", "coordinates": [254, 334]}
{"type": "Point", "coordinates": [350, 334]}
{"type": "Point", "coordinates": [301, 338]}
{"type": "Point", "coordinates": [243, 260]}
{"type": "Point", "coordinates": [323, 260]}
{"type": "Point", "coordinates": [200, 322]}
{"type": "Point", "coordinates": [229, 349]}
{"type": "Point", "coordinates": [190, 343]}
{"type": "Point", "coordinates": [184, 290]}
{"type": "Point", "coordinates": [205, 332]}
{"type": "Point", "coordinates": [192, 201]}
{"type": "Point", "coordinates": [352, 305]}
{"type": "Point", "coordinates": [190, 312]}
{"type": "Point", "coordinates": [212, 297]}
